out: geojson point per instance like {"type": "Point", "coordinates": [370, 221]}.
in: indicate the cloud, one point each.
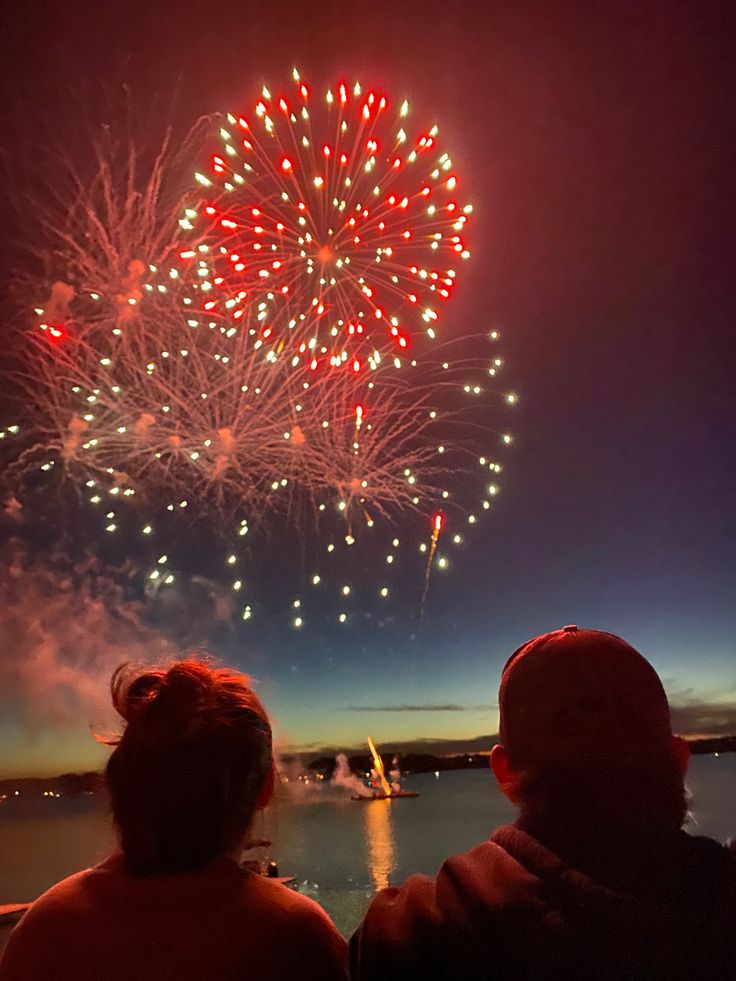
{"type": "Point", "coordinates": [412, 708]}
{"type": "Point", "coordinates": [446, 747]}
{"type": "Point", "coordinates": [434, 746]}
{"type": "Point", "coordinates": [693, 713]}
{"type": "Point", "coordinates": [693, 717]}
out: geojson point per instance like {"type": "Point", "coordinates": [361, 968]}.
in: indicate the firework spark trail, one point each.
{"type": "Point", "coordinates": [437, 523]}
{"type": "Point", "coordinates": [107, 217]}
{"type": "Point", "coordinates": [374, 452]}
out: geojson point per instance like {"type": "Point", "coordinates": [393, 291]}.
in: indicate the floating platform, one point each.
{"type": "Point", "coordinates": [392, 796]}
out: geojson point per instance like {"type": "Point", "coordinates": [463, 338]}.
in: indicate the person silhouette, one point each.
{"type": "Point", "coordinates": [596, 878]}
{"type": "Point", "coordinates": [193, 765]}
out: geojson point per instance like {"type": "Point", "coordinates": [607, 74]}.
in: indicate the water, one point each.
{"type": "Point", "coordinates": [341, 851]}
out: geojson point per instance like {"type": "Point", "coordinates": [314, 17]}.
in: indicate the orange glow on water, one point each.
{"type": "Point", "coordinates": [380, 839]}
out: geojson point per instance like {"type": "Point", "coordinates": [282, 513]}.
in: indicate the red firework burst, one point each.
{"type": "Point", "coordinates": [333, 227]}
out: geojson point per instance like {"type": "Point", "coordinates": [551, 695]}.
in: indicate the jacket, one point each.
{"type": "Point", "coordinates": [510, 909]}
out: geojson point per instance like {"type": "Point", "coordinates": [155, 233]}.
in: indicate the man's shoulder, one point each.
{"type": "Point", "coordinates": [711, 863]}
{"type": "Point", "coordinates": [711, 849]}
{"type": "Point", "coordinates": [415, 922]}
{"type": "Point", "coordinates": [464, 878]}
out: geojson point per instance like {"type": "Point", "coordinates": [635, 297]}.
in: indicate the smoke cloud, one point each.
{"type": "Point", "coordinates": [394, 777]}
{"type": "Point", "coordinates": [61, 635]}
{"type": "Point", "coordinates": [64, 627]}
{"type": "Point", "coordinates": [344, 777]}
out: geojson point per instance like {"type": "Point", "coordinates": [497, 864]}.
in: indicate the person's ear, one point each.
{"type": "Point", "coordinates": [502, 771]}
{"type": "Point", "coordinates": [681, 752]}
{"type": "Point", "coordinates": [266, 792]}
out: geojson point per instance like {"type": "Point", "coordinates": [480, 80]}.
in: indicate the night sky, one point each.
{"type": "Point", "coordinates": [597, 142]}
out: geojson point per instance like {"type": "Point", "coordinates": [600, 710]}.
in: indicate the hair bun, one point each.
{"type": "Point", "coordinates": [131, 690]}
{"type": "Point", "coordinates": [181, 693]}
{"type": "Point", "coordinates": [178, 702]}
{"type": "Point", "coordinates": [161, 704]}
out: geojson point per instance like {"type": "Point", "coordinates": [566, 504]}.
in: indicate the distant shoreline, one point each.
{"type": "Point", "coordinates": [86, 784]}
{"type": "Point", "coordinates": [712, 744]}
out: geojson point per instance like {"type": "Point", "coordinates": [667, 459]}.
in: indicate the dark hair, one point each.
{"type": "Point", "coordinates": [621, 801]}
{"type": "Point", "coordinates": [185, 775]}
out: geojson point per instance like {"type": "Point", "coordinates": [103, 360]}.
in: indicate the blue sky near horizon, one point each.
{"type": "Point", "coordinates": [312, 709]}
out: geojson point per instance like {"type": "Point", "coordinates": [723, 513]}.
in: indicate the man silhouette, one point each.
{"type": "Point", "coordinates": [596, 879]}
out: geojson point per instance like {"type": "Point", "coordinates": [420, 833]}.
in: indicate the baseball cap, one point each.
{"type": "Point", "coordinates": [577, 696]}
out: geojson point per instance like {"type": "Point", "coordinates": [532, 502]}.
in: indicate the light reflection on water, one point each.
{"type": "Point", "coordinates": [379, 836]}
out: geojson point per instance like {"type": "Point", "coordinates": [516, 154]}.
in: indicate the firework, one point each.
{"type": "Point", "coordinates": [170, 413]}
{"type": "Point", "coordinates": [121, 391]}
{"type": "Point", "coordinates": [100, 225]}
{"type": "Point", "coordinates": [335, 227]}
{"type": "Point", "coordinates": [379, 468]}
{"type": "Point", "coordinates": [177, 364]}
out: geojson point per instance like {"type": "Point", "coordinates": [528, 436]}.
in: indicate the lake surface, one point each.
{"type": "Point", "coordinates": [340, 850]}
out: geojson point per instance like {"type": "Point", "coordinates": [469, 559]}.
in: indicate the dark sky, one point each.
{"type": "Point", "coordinates": [598, 143]}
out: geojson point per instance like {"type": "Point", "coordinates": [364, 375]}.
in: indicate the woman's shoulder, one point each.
{"type": "Point", "coordinates": [296, 926]}
{"type": "Point", "coordinates": [63, 897]}
{"type": "Point", "coordinates": [46, 926]}
{"type": "Point", "coordinates": [67, 900]}
{"type": "Point", "coordinates": [282, 901]}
